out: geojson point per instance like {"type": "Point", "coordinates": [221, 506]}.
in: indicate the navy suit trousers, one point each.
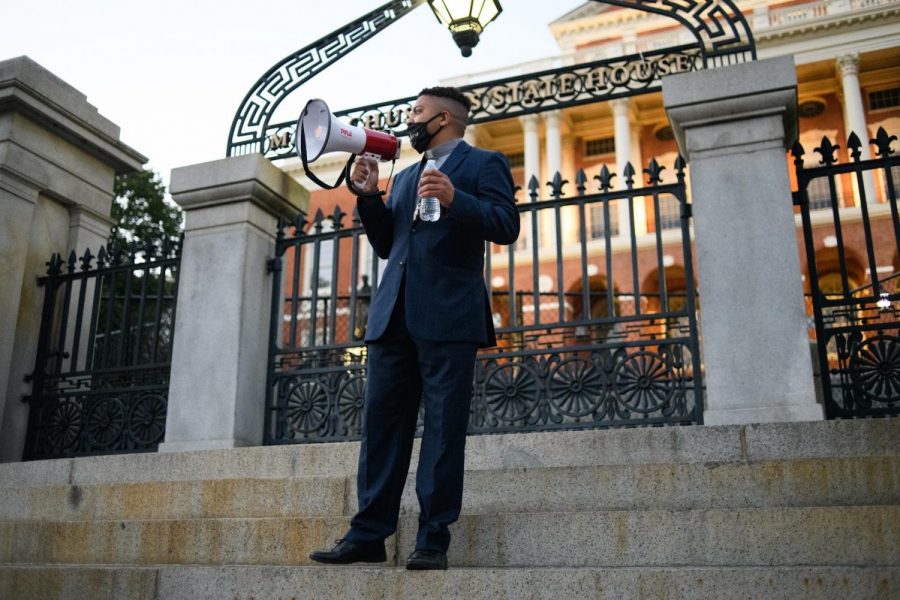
{"type": "Point", "coordinates": [402, 373]}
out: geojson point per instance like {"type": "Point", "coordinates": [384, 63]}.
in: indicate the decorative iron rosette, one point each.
{"type": "Point", "coordinates": [644, 382]}
{"type": "Point", "coordinates": [875, 370]}
{"type": "Point", "coordinates": [351, 398]}
{"type": "Point", "coordinates": [306, 405]}
{"type": "Point", "coordinates": [147, 419]}
{"type": "Point", "coordinates": [64, 425]}
{"type": "Point", "coordinates": [511, 391]}
{"type": "Point", "coordinates": [104, 422]}
{"type": "Point", "coordinates": [576, 387]}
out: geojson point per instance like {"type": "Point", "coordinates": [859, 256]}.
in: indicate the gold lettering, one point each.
{"type": "Point", "coordinates": [566, 84]}
{"type": "Point", "coordinates": [620, 75]}
{"type": "Point", "coordinates": [643, 70]}
{"type": "Point", "coordinates": [684, 63]}
{"type": "Point", "coordinates": [395, 118]}
{"type": "Point", "coordinates": [532, 91]}
{"type": "Point", "coordinates": [664, 66]}
{"type": "Point", "coordinates": [373, 120]}
{"type": "Point", "coordinates": [475, 99]}
{"type": "Point", "coordinates": [279, 140]}
{"type": "Point", "coordinates": [598, 78]}
{"type": "Point", "coordinates": [498, 97]}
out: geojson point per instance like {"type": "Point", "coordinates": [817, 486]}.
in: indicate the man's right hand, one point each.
{"type": "Point", "coordinates": [365, 175]}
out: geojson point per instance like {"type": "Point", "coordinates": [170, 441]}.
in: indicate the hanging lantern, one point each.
{"type": "Point", "coordinates": [465, 19]}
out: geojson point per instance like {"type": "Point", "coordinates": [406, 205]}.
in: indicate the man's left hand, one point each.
{"type": "Point", "coordinates": [434, 184]}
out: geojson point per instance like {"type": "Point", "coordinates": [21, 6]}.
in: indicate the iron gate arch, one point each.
{"type": "Point", "coordinates": [721, 34]}
{"type": "Point", "coordinates": [574, 355]}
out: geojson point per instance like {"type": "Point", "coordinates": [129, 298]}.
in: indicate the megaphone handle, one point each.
{"type": "Point", "coordinates": [352, 187]}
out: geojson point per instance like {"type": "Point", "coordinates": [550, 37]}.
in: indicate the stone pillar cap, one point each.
{"type": "Point", "coordinates": [249, 178]}
{"type": "Point", "coordinates": [29, 88]}
{"type": "Point", "coordinates": [734, 92]}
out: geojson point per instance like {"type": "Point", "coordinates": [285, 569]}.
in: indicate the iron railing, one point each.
{"type": "Point", "coordinates": [591, 332]}
{"type": "Point", "coordinates": [100, 382]}
{"type": "Point", "coordinates": [853, 273]}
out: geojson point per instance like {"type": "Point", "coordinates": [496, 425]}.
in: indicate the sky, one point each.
{"type": "Point", "coordinates": [171, 74]}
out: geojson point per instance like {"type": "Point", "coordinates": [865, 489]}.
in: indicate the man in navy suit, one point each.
{"type": "Point", "coordinates": [429, 316]}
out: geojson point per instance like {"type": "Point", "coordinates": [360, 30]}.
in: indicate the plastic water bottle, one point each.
{"type": "Point", "coordinates": [429, 208]}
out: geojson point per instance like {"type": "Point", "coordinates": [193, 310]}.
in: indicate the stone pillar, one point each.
{"type": "Point", "coordinates": [855, 116]}
{"type": "Point", "coordinates": [733, 125]}
{"type": "Point", "coordinates": [58, 161]}
{"type": "Point", "coordinates": [218, 380]}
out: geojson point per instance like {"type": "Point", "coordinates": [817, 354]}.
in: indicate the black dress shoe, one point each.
{"type": "Point", "coordinates": [427, 560]}
{"type": "Point", "coordinates": [346, 552]}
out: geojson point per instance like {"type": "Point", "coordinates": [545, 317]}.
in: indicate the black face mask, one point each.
{"type": "Point", "coordinates": [419, 138]}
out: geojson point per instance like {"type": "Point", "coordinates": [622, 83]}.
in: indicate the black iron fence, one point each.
{"type": "Point", "coordinates": [853, 273]}
{"type": "Point", "coordinates": [596, 325]}
{"type": "Point", "coordinates": [100, 383]}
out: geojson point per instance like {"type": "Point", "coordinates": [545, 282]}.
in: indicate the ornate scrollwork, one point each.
{"type": "Point", "coordinates": [875, 369]}
{"type": "Point", "coordinates": [260, 103]}
{"type": "Point", "coordinates": [576, 387]}
{"type": "Point", "coordinates": [307, 405]}
{"type": "Point", "coordinates": [511, 392]}
{"type": "Point", "coordinates": [104, 422]}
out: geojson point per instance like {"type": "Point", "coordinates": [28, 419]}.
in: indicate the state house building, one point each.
{"type": "Point", "coordinates": [847, 54]}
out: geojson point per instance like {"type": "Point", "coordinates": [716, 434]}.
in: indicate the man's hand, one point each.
{"type": "Point", "coordinates": [364, 176]}
{"type": "Point", "coordinates": [434, 184]}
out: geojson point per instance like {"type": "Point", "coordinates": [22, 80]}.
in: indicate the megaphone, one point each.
{"type": "Point", "coordinates": [320, 132]}
{"type": "Point", "coordinates": [325, 133]}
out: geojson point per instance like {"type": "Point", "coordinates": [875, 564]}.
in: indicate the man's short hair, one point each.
{"type": "Point", "coordinates": [451, 93]}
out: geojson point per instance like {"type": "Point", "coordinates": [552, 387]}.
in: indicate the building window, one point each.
{"type": "Point", "coordinates": [669, 216]}
{"type": "Point", "coordinates": [884, 99]}
{"type": "Point", "coordinates": [600, 146]}
{"type": "Point", "coordinates": [516, 160]}
{"type": "Point", "coordinates": [819, 193]}
{"type": "Point", "coordinates": [598, 226]}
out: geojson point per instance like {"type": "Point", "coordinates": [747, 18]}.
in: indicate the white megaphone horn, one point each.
{"type": "Point", "coordinates": [320, 132]}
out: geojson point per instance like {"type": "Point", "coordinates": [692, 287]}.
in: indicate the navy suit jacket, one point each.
{"type": "Point", "coordinates": [443, 261]}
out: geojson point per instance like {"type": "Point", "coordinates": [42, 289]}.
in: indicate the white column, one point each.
{"type": "Point", "coordinates": [733, 125]}
{"type": "Point", "coordinates": [553, 143]}
{"type": "Point", "coordinates": [532, 148]}
{"type": "Point", "coordinates": [621, 109]}
{"type": "Point", "coordinates": [855, 115]}
{"type": "Point", "coordinates": [622, 129]}
{"type": "Point", "coordinates": [471, 135]}
{"type": "Point", "coordinates": [218, 378]}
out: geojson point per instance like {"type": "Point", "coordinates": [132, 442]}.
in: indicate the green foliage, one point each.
{"type": "Point", "coordinates": [141, 213]}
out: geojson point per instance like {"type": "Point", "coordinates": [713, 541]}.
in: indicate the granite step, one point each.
{"type": "Point", "coordinates": [295, 583]}
{"type": "Point", "coordinates": [586, 448]}
{"type": "Point", "coordinates": [675, 486]}
{"type": "Point", "coordinates": [772, 536]}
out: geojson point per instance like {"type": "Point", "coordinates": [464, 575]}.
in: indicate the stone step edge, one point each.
{"type": "Point", "coordinates": [593, 447]}
{"type": "Point", "coordinates": [470, 515]}
{"type": "Point", "coordinates": [165, 582]}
